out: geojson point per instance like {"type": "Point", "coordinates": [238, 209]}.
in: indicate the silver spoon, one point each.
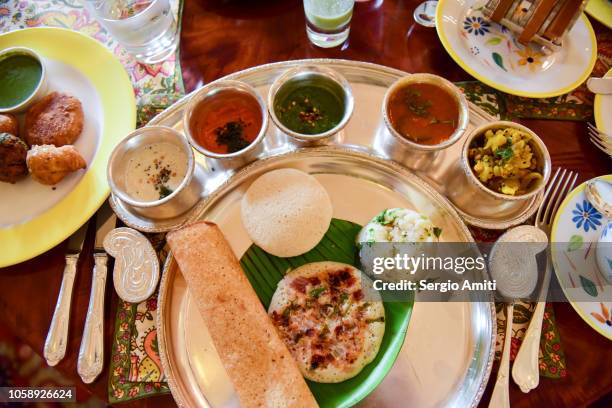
{"type": "Point", "coordinates": [515, 271]}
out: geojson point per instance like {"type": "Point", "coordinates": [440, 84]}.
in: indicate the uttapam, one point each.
{"type": "Point", "coordinates": [324, 318]}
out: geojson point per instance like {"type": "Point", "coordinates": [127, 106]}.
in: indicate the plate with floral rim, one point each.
{"type": "Point", "coordinates": [576, 230]}
{"type": "Point", "coordinates": [492, 54]}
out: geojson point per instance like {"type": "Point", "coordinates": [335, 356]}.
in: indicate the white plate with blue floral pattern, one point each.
{"type": "Point", "coordinates": [491, 53]}
{"type": "Point", "coordinates": [576, 230]}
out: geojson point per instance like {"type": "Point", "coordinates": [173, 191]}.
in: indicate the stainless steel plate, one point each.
{"type": "Point", "coordinates": [448, 353]}
{"type": "Point", "coordinates": [366, 132]}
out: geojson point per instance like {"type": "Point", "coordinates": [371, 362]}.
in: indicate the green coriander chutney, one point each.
{"type": "Point", "coordinates": [309, 109]}
{"type": "Point", "coordinates": [19, 76]}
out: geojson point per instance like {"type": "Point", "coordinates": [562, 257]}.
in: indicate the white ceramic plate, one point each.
{"type": "Point", "coordinates": [575, 233]}
{"type": "Point", "coordinates": [490, 53]}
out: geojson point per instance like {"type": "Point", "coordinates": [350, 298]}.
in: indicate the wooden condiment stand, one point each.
{"type": "Point", "coordinates": [544, 22]}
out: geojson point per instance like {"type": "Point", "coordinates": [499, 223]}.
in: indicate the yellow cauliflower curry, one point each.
{"type": "Point", "coordinates": [504, 161]}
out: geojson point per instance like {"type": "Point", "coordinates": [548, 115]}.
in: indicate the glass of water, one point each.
{"type": "Point", "coordinates": [328, 22]}
{"type": "Point", "coordinates": [145, 28]}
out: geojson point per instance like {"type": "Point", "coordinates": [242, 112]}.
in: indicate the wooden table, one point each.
{"type": "Point", "coordinates": [223, 36]}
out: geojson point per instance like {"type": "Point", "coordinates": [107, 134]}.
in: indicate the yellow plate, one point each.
{"type": "Point", "coordinates": [600, 10]}
{"type": "Point", "coordinates": [491, 54]}
{"type": "Point", "coordinates": [603, 103]}
{"type": "Point", "coordinates": [79, 65]}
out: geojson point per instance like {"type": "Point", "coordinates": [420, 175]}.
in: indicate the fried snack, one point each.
{"type": "Point", "coordinates": [56, 119]}
{"type": "Point", "coordinates": [9, 124]}
{"type": "Point", "coordinates": [13, 153]}
{"type": "Point", "coordinates": [49, 164]}
{"type": "Point", "coordinates": [257, 361]}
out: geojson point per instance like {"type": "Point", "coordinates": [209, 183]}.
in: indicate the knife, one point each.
{"type": "Point", "coordinates": [57, 337]}
{"type": "Point", "coordinates": [91, 353]}
{"type": "Point", "coordinates": [602, 86]}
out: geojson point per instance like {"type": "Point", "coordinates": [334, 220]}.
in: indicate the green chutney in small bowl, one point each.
{"type": "Point", "coordinates": [310, 103]}
{"type": "Point", "coordinates": [22, 79]}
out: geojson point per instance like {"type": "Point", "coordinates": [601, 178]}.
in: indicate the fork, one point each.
{"type": "Point", "coordinates": [525, 371]}
{"type": "Point", "coordinates": [601, 140]}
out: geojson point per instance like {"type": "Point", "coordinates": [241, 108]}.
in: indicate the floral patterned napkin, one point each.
{"type": "Point", "coordinates": [135, 367]}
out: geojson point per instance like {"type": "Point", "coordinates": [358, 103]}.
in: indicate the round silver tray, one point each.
{"type": "Point", "coordinates": [449, 348]}
{"type": "Point", "coordinates": [365, 132]}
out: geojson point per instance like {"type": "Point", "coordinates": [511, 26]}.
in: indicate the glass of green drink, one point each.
{"type": "Point", "coordinates": [328, 21]}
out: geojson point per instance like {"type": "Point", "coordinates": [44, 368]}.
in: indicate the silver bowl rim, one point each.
{"type": "Point", "coordinates": [464, 114]}
{"type": "Point", "coordinates": [538, 143]}
{"type": "Point", "coordinates": [329, 74]}
{"type": "Point", "coordinates": [41, 82]}
{"type": "Point", "coordinates": [210, 89]}
{"type": "Point", "coordinates": [156, 203]}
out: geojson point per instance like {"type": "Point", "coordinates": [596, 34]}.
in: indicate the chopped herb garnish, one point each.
{"type": "Point", "coordinates": [437, 231]}
{"type": "Point", "coordinates": [505, 153]}
{"type": "Point", "coordinates": [364, 306]}
{"type": "Point", "coordinates": [287, 311]}
{"type": "Point", "coordinates": [380, 319]}
{"type": "Point", "coordinates": [416, 104]}
{"type": "Point", "coordinates": [232, 136]}
{"type": "Point", "coordinates": [316, 292]}
{"type": "Point", "coordinates": [164, 191]}
{"type": "Point", "coordinates": [380, 218]}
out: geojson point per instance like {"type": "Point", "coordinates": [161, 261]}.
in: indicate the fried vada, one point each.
{"type": "Point", "coordinates": [9, 124]}
{"type": "Point", "coordinates": [49, 164]}
{"type": "Point", "coordinates": [57, 119]}
{"type": "Point", "coordinates": [13, 153]}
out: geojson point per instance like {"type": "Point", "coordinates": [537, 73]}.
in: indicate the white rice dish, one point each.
{"type": "Point", "coordinates": [401, 232]}
{"type": "Point", "coordinates": [399, 225]}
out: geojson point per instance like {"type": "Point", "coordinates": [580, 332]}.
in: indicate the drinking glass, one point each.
{"type": "Point", "coordinates": [145, 28]}
{"type": "Point", "coordinates": [328, 22]}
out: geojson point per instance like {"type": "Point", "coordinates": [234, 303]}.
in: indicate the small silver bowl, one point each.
{"type": "Point", "coordinates": [537, 145]}
{"type": "Point", "coordinates": [402, 143]}
{"type": "Point", "coordinates": [330, 79]}
{"type": "Point", "coordinates": [241, 157]}
{"type": "Point", "coordinates": [40, 89]}
{"type": "Point", "coordinates": [183, 198]}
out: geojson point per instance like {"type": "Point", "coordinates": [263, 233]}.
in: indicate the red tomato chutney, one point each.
{"type": "Point", "coordinates": [423, 113]}
{"type": "Point", "coordinates": [226, 122]}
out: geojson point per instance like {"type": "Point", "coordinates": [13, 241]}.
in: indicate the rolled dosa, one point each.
{"type": "Point", "coordinates": [257, 361]}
